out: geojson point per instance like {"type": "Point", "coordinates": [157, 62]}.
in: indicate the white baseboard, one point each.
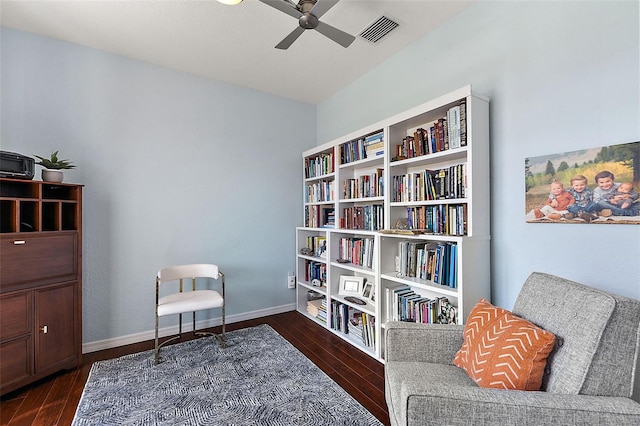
{"type": "Point", "coordinates": [114, 342]}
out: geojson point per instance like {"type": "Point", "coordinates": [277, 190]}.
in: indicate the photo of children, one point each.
{"type": "Point", "coordinates": [557, 203]}
{"type": "Point", "coordinates": [598, 185]}
{"type": "Point", "coordinates": [623, 197]}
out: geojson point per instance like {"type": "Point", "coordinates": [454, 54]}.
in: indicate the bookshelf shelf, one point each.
{"type": "Point", "coordinates": [428, 171]}
{"type": "Point", "coordinates": [327, 176]}
{"type": "Point", "coordinates": [367, 309]}
{"type": "Point", "coordinates": [363, 200]}
{"type": "Point", "coordinates": [353, 268]}
{"type": "Point", "coordinates": [372, 161]}
{"type": "Point", "coordinates": [419, 283]}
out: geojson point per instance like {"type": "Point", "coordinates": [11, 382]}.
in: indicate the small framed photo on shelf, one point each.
{"type": "Point", "coordinates": [351, 286]}
{"type": "Point", "coordinates": [369, 292]}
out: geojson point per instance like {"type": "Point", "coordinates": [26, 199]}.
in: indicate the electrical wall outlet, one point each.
{"type": "Point", "coordinates": [291, 280]}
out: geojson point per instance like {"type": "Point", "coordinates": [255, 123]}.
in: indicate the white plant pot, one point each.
{"type": "Point", "coordinates": [52, 175]}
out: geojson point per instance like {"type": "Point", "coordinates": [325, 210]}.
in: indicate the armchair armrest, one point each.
{"type": "Point", "coordinates": [464, 405]}
{"type": "Point", "coordinates": [408, 341]}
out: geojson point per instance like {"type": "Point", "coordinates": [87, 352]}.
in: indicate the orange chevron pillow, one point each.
{"type": "Point", "coordinates": [503, 351]}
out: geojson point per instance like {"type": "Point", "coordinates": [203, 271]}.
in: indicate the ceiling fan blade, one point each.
{"type": "Point", "coordinates": [322, 6]}
{"type": "Point", "coordinates": [339, 36]}
{"type": "Point", "coordinates": [284, 6]}
{"type": "Point", "coordinates": [288, 40]}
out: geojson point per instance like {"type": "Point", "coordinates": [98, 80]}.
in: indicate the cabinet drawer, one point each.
{"type": "Point", "coordinates": [17, 361]}
{"type": "Point", "coordinates": [16, 314]}
{"type": "Point", "coordinates": [32, 258]}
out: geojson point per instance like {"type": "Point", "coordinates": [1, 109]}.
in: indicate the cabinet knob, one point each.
{"type": "Point", "coordinates": [19, 242]}
{"type": "Point", "coordinates": [44, 329]}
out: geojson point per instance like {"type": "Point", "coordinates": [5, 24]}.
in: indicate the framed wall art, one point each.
{"type": "Point", "coordinates": [590, 186]}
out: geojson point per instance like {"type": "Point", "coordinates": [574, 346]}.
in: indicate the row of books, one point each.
{"type": "Point", "coordinates": [317, 308]}
{"type": "Point", "coordinates": [359, 325]}
{"type": "Point", "coordinates": [356, 250]}
{"type": "Point", "coordinates": [448, 132]}
{"type": "Point", "coordinates": [404, 304]}
{"type": "Point", "coordinates": [317, 244]}
{"type": "Point", "coordinates": [315, 271]}
{"type": "Point", "coordinates": [429, 261]}
{"type": "Point", "coordinates": [370, 185]}
{"type": "Point", "coordinates": [445, 219]}
{"type": "Point", "coordinates": [446, 183]}
{"type": "Point", "coordinates": [320, 165]}
{"type": "Point", "coordinates": [320, 191]}
{"type": "Point", "coordinates": [370, 217]}
{"type": "Point", "coordinates": [366, 147]}
{"type": "Point", "coordinates": [319, 217]}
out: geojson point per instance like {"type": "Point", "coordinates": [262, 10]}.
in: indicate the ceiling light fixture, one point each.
{"type": "Point", "coordinates": [230, 2]}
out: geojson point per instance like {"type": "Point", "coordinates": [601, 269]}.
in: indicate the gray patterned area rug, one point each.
{"type": "Point", "coordinates": [258, 379]}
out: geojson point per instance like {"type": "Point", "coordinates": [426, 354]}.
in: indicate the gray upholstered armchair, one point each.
{"type": "Point", "coordinates": [589, 375]}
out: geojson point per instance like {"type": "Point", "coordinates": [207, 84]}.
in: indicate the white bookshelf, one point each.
{"type": "Point", "coordinates": [464, 169]}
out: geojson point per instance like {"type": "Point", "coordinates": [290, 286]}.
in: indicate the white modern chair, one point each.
{"type": "Point", "coordinates": [187, 298]}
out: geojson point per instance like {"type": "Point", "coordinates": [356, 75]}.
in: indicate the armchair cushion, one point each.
{"type": "Point", "coordinates": [503, 351]}
{"type": "Point", "coordinates": [577, 315]}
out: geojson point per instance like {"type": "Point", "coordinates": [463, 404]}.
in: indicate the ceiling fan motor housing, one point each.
{"type": "Point", "coordinates": [308, 21]}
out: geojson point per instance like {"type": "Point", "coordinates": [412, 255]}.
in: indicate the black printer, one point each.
{"type": "Point", "coordinates": [17, 166]}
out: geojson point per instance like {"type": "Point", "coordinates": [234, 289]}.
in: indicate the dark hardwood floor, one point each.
{"type": "Point", "coordinates": [53, 401]}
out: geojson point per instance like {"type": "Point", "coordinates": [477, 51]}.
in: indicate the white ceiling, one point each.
{"type": "Point", "coordinates": [235, 44]}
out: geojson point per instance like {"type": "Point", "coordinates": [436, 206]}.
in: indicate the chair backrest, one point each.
{"type": "Point", "coordinates": [597, 335]}
{"type": "Point", "coordinates": [198, 270]}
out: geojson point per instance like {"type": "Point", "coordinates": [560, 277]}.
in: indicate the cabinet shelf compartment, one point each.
{"type": "Point", "coordinates": [430, 132]}
{"type": "Point", "coordinates": [368, 278]}
{"type": "Point", "coordinates": [60, 192]}
{"type": "Point", "coordinates": [19, 189]}
{"type": "Point", "coordinates": [29, 216]}
{"type": "Point", "coordinates": [70, 216]}
{"type": "Point", "coordinates": [367, 147]}
{"type": "Point", "coordinates": [354, 324]}
{"type": "Point", "coordinates": [319, 192]}
{"type": "Point", "coordinates": [51, 216]}
{"type": "Point", "coordinates": [426, 261]}
{"type": "Point", "coordinates": [440, 219]}
{"type": "Point", "coordinates": [365, 217]}
{"type": "Point", "coordinates": [8, 215]}
{"type": "Point", "coordinates": [312, 309]}
{"type": "Point", "coordinates": [362, 181]}
{"type": "Point", "coordinates": [320, 164]}
{"type": "Point", "coordinates": [354, 251]}
{"type": "Point", "coordinates": [319, 215]}
{"type": "Point", "coordinates": [418, 303]}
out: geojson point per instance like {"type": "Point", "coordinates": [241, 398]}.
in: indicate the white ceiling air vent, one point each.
{"type": "Point", "coordinates": [378, 29]}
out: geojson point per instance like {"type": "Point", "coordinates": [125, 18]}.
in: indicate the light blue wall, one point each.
{"type": "Point", "coordinates": [561, 76]}
{"type": "Point", "coordinates": [176, 168]}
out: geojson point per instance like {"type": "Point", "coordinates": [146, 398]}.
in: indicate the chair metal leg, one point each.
{"type": "Point", "coordinates": [158, 346]}
{"type": "Point", "coordinates": [157, 349]}
{"type": "Point", "coordinates": [221, 338]}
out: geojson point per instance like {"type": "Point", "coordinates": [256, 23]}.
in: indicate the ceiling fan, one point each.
{"type": "Point", "coordinates": [308, 13]}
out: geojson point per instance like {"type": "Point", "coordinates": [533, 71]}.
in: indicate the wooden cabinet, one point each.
{"type": "Point", "coordinates": [41, 280]}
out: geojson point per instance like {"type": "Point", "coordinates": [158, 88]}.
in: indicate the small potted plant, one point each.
{"type": "Point", "coordinates": [53, 167]}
